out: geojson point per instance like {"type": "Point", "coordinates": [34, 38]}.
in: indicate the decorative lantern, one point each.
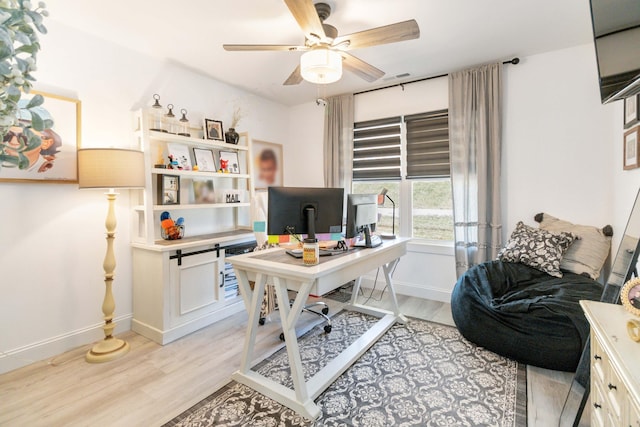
{"type": "Point", "coordinates": [155, 116]}
{"type": "Point", "coordinates": [170, 121]}
{"type": "Point", "coordinates": [183, 124]}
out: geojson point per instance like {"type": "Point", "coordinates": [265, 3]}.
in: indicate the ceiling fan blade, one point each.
{"type": "Point", "coordinates": [400, 31]}
{"type": "Point", "coordinates": [295, 78]}
{"type": "Point", "coordinates": [258, 47]}
{"type": "Point", "coordinates": [307, 17]}
{"type": "Point", "coordinates": [361, 68]}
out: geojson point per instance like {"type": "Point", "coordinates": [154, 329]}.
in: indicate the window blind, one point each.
{"type": "Point", "coordinates": [428, 145]}
{"type": "Point", "coordinates": [377, 149]}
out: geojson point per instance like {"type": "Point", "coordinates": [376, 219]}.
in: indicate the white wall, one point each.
{"type": "Point", "coordinates": [559, 141]}
{"type": "Point", "coordinates": [304, 155]}
{"type": "Point", "coordinates": [52, 236]}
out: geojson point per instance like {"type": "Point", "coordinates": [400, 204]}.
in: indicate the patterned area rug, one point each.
{"type": "Point", "coordinates": [418, 374]}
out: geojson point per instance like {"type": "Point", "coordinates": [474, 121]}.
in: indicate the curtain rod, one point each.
{"type": "Point", "coordinates": [513, 61]}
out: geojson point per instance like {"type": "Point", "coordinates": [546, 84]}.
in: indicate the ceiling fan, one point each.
{"type": "Point", "coordinates": [325, 51]}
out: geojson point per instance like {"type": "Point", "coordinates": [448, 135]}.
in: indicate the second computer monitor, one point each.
{"type": "Point", "coordinates": [362, 216]}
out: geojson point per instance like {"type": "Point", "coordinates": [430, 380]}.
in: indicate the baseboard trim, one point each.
{"type": "Point", "coordinates": [412, 290]}
{"type": "Point", "coordinates": [168, 335]}
{"type": "Point", "coordinates": [53, 346]}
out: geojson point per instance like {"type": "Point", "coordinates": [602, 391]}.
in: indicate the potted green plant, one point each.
{"type": "Point", "coordinates": [21, 120]}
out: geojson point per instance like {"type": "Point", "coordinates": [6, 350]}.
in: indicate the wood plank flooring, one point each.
{"type": "Point", "coordinates": [153, 383]}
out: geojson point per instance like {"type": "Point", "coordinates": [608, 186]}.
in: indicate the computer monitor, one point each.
{"type": "Point", "coordinates": [362, 216]}
{"type": "Point", "coordinates": [297, 210]}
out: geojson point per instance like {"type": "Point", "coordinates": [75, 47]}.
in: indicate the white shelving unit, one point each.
{"type": "Point", "coordinates": [179, 285]}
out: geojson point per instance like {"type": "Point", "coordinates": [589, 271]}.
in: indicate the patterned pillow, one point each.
{"type": "Point", "coordinates": [539, 249]}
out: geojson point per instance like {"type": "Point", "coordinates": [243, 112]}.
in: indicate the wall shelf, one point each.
{"type": "Point", "coordinates": [205, 143]}
{"type": "Point", "coordinates": [199, 174]}
{"type": "Point", "coordinates": [160, 208]}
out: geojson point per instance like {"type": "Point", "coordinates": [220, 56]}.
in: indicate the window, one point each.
{"type": "Point", "coordinates": [409, 156]}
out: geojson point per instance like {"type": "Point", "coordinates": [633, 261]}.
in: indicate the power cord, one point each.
{"type": "Point", "coordinates": [375, 284]}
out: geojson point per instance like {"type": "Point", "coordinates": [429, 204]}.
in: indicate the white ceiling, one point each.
{"type": "Point", "coordinates": [454, 34]}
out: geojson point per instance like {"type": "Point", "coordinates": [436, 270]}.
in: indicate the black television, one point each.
{"type": "Point", "coordinates": [299, 210]}
{"type": "Point", "coordinates": [616, 33]}
{"type": "Point", "coordinates": [362, 216]}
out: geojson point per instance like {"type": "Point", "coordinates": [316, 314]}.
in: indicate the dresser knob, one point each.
{"type": "Point", "coordinates": [612, 387]}
{"type": "Point", "coordinates": [597, 357]}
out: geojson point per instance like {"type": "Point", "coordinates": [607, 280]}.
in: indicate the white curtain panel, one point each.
{"type": "Point", "coordinates": [475, 144]}
{"type": "Point", "coordinates": [338, 142]}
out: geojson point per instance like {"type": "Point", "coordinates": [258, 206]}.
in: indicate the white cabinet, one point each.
{"type": "Point", "coordinates": [615, 371]}
{"type": "Point", "coordinates": [179, 285]}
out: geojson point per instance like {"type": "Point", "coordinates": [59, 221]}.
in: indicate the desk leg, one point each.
{"type": "Point", "coordinates": [356, 290]}
{"type": "Point", "coordinates": [289, 317]}
{"type": "Point", "coordinates": [388, 269]}
{"type": "Point", "coordinates": [253, 309]}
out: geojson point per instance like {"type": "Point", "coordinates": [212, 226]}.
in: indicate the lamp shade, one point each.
{"type": "Point", "coordinates": [321, 66]}
{"type": "Point", "coordinates": [110, 168]}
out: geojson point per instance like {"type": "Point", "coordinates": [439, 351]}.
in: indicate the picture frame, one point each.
{"type": "Point", "coordinates": [203, 191]}
{"type": "Point", "coordinates": [168, 189]}
{"type": "Point", "coordinates": [204, 160]}
{"type": "Point", "coordinates": [268, 164]}
{"type": "Point", "coordinates": [630, 296]}
{"type": "Point", "coordinates": [231, 157]}
{"type": "Point", "coordinates": [181, 154]}
{"type": "Point", "coordinates": [56, 161]}
{"type": "Point", "coordinates": [213, 130]}
{"type": "Point", "coordinates": [630, 151]}
{"type": "Point", "coordinates": [631, 111]}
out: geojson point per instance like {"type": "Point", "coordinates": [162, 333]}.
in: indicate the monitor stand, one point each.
{"type": "Point", "coordinates": [370, 240]}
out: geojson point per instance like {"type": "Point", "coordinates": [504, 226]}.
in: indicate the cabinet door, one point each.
{"type": "Point", "coordinates": [197, 283]}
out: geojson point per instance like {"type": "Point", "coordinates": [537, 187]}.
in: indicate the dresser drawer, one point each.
{"type": "Point", "coordinates": [633, 414]}
{"type": "Point", "coordinates": [598, 406]}
{"type": "Point", "coordinates": [599, 361]}
{"type": "Point", "coordinates": [616, 394]}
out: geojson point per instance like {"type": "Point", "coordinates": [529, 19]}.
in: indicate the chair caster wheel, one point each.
{"type": "Point", "coordinates": [325, 310]}
{"type": "Point", "coordinates": [327, 328]}
{"type": "Point", "coordinates": [261, 321]}
{"type": "Point", "coordinates": [281, 336]}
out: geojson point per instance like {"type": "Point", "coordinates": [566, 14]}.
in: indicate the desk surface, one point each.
{"type": "Point", "coordinates": [277, 262]}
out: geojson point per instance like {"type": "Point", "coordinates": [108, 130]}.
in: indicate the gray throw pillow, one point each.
{"type": "Point", "coordinates": [537, 248]}
{"type": "Point", "coordinates": [588, 254]}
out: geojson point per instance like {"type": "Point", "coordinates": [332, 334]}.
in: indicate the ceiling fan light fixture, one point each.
{"type": "Point", "coordinates": [321, 66]}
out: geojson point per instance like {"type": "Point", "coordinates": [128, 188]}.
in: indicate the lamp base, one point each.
{"type": "Point", "coordinates": [106, 350]}
{"type": "Point", "coordinates": [388, 236]}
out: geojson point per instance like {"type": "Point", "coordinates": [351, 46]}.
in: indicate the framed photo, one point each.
{"type": "Point", "coordinates": [203, 191]}
{"type": "Point", "coordinates": [56, 160]}
{"type": "Point", "coordinates": [230, 159]}
{"type": "Point", "coordinates": [204, 160]}
{"type": "Point", "coordinates": [168, 189]}
{"type": "Point", "coordinates": [213, 130]}
{"type": "Point", "coordinates": [631, 138]}
{"type": "Point", "coordinates": [180, 154]}
{"type": "Point", "coordinates": [631, 111]}
{"type": "Point", "coordinates": [267, 164]}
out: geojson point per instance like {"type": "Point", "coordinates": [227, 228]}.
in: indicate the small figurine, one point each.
{"type": "Point", "coordinates": [224, 165]}
{"type": "Point", "coordinates": [173, 162]}
{"type": "Point", "coordinates": [172, 230]}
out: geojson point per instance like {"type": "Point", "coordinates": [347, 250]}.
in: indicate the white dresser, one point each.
{"type": "Point", "coordinates": [615, 367]}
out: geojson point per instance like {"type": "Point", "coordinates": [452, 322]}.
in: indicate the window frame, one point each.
{"type": "Point", "coordinates": [405, 204]}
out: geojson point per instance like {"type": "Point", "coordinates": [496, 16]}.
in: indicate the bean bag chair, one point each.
{"type": "Point", "coordinates": [524, 314]}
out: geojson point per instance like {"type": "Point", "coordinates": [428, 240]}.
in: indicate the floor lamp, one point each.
{"type": "Point", "coordinates": [109, 168]}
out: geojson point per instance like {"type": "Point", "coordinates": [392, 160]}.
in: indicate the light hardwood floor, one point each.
{"type": "Point", "coordinates": [153, 383]}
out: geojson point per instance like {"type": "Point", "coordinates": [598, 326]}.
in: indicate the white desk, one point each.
{"type": "Point", "coordinates": [286, 273]}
